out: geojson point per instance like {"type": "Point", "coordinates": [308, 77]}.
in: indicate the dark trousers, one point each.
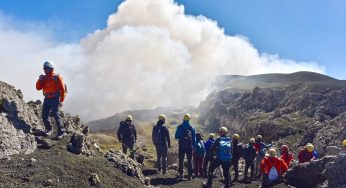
{"type": "Point", "coordinates": [225, 167]}
{"type": "Point", "coordinates": [130, 147]}
{"type": "Point", "coordinates": [252, 167]}
{"type": "Point", "coordinates": [235, 164]}
{"type": "Point", "coordinates": [161, 154]}
{"type": "Point", "coordinates": [51, 105]}
{"type": "Point", "coordinates": [182, 152]}
{"type": "Point", "coordinates": [207, 160]}
{"type": "Point", "coordinates": [198, 161]}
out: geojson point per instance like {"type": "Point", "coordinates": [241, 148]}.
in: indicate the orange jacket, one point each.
{"type": "Point", "coordinates": [52, 85]}
{"type": "Point", "coordinates": [268, 162]}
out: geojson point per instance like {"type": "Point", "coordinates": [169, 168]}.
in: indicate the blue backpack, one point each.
{"type": "Point", "coordinates": [224, 152]}
{"type": "Point", "coordinates": [200, 150]}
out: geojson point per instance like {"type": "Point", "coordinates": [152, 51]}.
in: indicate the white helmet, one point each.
{"type": "Point", "coordinates": [48, 64]}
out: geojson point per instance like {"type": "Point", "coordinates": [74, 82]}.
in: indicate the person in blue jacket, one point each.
{"type": "Point", "coordinates": [208, 153]}
{"type": "Point", "coordinates": [186, 136]}
{"type": "Point", "coordinates": [222, 148]}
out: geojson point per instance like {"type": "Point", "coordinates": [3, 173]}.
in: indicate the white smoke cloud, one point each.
{"type": "Point", "coordinates": [150, 54]}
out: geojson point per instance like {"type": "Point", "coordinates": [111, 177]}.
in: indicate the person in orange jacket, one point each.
{"type": "Point", "coordinates": [53, 88]}
{"type": "Point", "coordinates": [272, 167]}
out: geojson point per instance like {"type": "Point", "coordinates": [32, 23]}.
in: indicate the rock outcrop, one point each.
{"type": "Point", "coordinates": [308, 174]}
{"type": "Point", "coordinates": [126, 164]}
{"type": "Point", "coordinates": [80, 144]}
{"type": "Point", "coordinates": [336, 173]}
{"type": "Point", "coordinates": [17, 120]}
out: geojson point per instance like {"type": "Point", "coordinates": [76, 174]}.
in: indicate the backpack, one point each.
{"type": "Point", "coordinates": [200, 150]}
{"type": "Point", "coordinates": [273, 173]}
{"type": "Point", "coordinates": [157, 135]}
{"type": "Point", "coordinates": [186, 139]}
{"type": "Point", "coordinates": [55, 78]}
{"type": "Point", "coordinates": [224, 150]}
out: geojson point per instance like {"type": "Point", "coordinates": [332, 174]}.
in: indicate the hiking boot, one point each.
{"type": "Point", "coordinates": [189, 177]}
{"type": "Point", "coordinates": [60, 135]}
{"type": "Point", "coordinates": [48, 132]}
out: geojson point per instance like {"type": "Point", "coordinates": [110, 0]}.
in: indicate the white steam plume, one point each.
{"type": "Point", "coordinates": [150, 54]}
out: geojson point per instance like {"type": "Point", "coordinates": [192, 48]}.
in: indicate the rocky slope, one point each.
{"type": "Point", "coordinates": [28, 159]}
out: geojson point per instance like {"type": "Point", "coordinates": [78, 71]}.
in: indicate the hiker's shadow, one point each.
{"type": "Point", "coordinates": [165, 181]}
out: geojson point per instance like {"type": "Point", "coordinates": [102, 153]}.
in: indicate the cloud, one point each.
{"type": "Point", "coordinates": [150, 54]}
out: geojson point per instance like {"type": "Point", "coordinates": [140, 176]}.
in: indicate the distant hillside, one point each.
{"type": "Point", "coordinates": [289, 107]}
{"type": "Point", "coordinates": [139, 117]}
{"type": "Point", "coordinates": [238, 82]}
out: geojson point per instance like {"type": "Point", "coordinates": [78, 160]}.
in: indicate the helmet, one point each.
{"type": "Point", "coordinates": [187, 117]}
{"type": "Point", "coordinates": [211, 135]}
{"type": "Point", "coordinates": [309, 147]}
{"type": "Point", "coordinates": [223, 130]}
{"type": "Point", "coordinates": [284, 148]}
{"type": "Point", "coordinates": [344, 143]}
{"type": "Point", "coordinates": [129, 118]}
{"type": "Point", "coordinates": [252, 140]}
{"type": "Point", "coordinates": [236, 136]}
{"type": "Point", "coordinates": [162, 117]}
{"type": "Point", "coordinates": [259, 137]}
{"type": "Point", "coordinates": [48, 64]}
{"type": "Point", "coordinates": [272, 152]}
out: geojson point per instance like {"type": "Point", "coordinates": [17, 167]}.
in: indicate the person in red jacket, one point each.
{"type": "Point", "coordinates": [272, 168]}
{"type": "Point", "coordinates": [286, 155]}
{"type": "Point", "coordinates": [307, 154]}
{"type": "Point", "coordinates": [53, 88]}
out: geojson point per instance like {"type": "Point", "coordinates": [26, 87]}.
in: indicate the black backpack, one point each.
{"type": "Point", "coordinates": [186, 139]}
{"type": "Point", "coordinates": [157, 135]}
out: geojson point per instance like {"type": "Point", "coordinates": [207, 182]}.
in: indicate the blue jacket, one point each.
{"type": "Point", "coordinates": [179, 132]}
{"type": "Point", "coordinates": [207, 146]}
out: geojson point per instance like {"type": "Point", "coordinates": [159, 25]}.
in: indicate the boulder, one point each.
{"type": "Point", "coordinates": [126, 164]}
{"type": "Point", "coordinates": [308, 174]}
{"type": "Point", "coordinates": [94, 179]}
{"type": "Point", "coordinates": [336, 173]}
{"type": "Point", "coordinates": [80, 144]}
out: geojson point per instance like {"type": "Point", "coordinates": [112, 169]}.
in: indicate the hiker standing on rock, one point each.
{"type": "Point", "coordinates": [249, 157]}
{"type": "Point", "coordinates": [162, 142]}
{"type": "Point", "coordinates": [261, 152]}
{"type": "Point", "coordinates": [127, 135]}
{"type": "Point", "coordinates": [273, 169]}
{"type": "Point", "coordinates": [54, 94]}
{"type": "Point", "coordinates": [307, 154]}
{"type": "Point", "coordinates": [185, 134]}
{"type": "Point", "coordinates": [237, 153]}
{"type": "Point", "coordinates": [222, 148]}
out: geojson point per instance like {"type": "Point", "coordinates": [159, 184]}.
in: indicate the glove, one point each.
{"type": "Point", "coordinates": [61, 104]}
{"type": "Point", "coordinates": [41, 77]}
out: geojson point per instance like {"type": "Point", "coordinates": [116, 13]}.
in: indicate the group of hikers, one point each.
{"type": "Point", "coordinates": [225, 151]}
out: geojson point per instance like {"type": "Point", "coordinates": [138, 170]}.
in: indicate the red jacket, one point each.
{"type": "Point", "coordinates": [268, 162]}
{"type": "Point", "coordinates": [287, 158]}
{"type": "Point", "coordinates": [52, 86]}
{"type": "Point", "coordinates": [305, 156]}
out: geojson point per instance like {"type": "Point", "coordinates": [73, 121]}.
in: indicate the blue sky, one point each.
{"type": "Point", "coordinates": [300, 30]}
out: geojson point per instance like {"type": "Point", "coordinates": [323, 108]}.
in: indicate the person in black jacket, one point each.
{"type": "Point", "coordinates": [249, 157]}
{"type": "Point", "coordinates": [162, 142]}
{"type": "Point", "coordinates": [127, 135]}
{"type": "Point", "coordinates": [237, 152]}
